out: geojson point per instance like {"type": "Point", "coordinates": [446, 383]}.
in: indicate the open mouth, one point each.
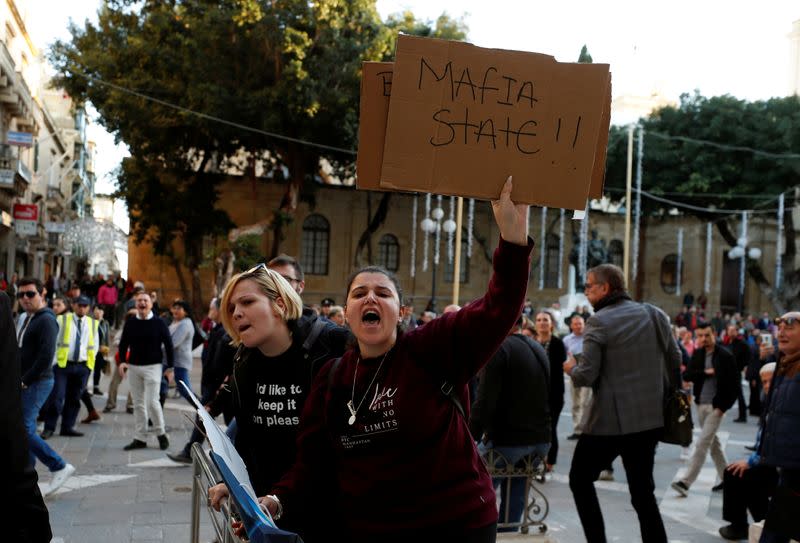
{"type": "Point", "coordinates": [370, 317]}
{"type": "Point", "coordinates": [243, 327]}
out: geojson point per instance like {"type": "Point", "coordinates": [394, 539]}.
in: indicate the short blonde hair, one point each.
{"type": "Point", "coordinates": [273, 286]}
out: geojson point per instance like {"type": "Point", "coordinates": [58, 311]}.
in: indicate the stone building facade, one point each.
{"type": "Point", "coordinates": [326, 236]}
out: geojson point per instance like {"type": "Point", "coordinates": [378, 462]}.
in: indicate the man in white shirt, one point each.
{"type": "Point", "coordinates": [77, 345]}
{"type": "Point", "coordinates": [581, 396]}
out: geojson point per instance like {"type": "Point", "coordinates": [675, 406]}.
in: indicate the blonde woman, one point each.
{"type": "Point", "coordinates": [279, 353]}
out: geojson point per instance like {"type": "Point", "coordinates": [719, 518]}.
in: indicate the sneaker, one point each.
{"type": "Point", "coordinates": [129, 410]}
{"type": "Point", "coordinates": [606, 475]}
{"type": "Point", "coordinates": [573, 437]}
{"type": "Point", "coordinates": [135, 444]}
{"type": "Point", "coordinates": [97, 391]}
{"type": "Point", "coordinates": [107, 409]}
{"type": "Point", "coordinates": [734, 532]}
{"type": "Point", "coordinates": [59, 478]}
{"type": "Point", "coordinates": [718, 488]}
{"type": "Point", "coordinates": [740, 419]}
{"type": "Point", "coordinates": [181, 457]}
{"type": "Point", "coordinates": [46, 434]}
{"type": "Point", "coordinates": [69, 432]}
{"type": "Point", "coordinates": [163, 442]}
{"type": "Point", "coordinates": [681, 488]}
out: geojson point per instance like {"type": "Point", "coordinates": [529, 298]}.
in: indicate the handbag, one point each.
{"type": "Point", "coordinates": [678, 423]}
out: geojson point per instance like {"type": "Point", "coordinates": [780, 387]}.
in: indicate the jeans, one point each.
{"type": "Point", "coordinates": [144, 382]}
{"type": "Point", "coordinates": [69, 382]}
{"type": "Point", "coordinates": [182, 374]}
{"type": "Point", "coordinates": [594, 454]}
{"type": "Point", "coordinates": [710, 420]}
{"type": "Point", "coordinates": [33, 398]}
{"type": "Point", "coordinates": [516, 485]}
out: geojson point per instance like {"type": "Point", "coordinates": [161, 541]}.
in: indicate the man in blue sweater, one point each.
{"type": "Point", "coordinates": [144, 335]}
{"type": "Point", "coordinates": [37, 330]}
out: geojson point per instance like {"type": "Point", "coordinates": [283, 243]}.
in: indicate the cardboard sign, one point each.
{"type": "Point", "coordinates": [463, 118]}
{"type": "Point", "coordinates": [376, 86]}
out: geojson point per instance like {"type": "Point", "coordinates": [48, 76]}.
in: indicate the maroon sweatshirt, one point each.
{"type": "Point", "coordinates": [409, 462]}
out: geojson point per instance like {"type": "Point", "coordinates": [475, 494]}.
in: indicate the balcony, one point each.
{"type": "Point", "coordinates": [15, 176]}
{"type": "Point", "coordinates": [15, 96]}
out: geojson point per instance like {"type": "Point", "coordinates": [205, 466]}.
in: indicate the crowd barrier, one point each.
{"type": "Point", "coordinates": [205, 475]}
{"type": "Point", "coordinates": [531, 469]}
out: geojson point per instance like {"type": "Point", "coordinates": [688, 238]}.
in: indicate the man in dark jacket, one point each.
{"type": "Point", "coordinates": [511, 413]}
{"type": "Point", "coordinates": [716, 379]}
{"type": "Point", "coordinates": [27, 518]}
{"type": "Point", "coordinates": [36, 336]}
{"type": "Point", "coordinates": [742, 354]}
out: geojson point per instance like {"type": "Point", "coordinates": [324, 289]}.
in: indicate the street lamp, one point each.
{"type": "Point", "coordinates": [433, 225]}
{"type": "Point", "coordinates": [741, 249]}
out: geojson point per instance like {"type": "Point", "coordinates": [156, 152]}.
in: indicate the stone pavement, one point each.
{"type": "Point", "coordinates": [141, 496]}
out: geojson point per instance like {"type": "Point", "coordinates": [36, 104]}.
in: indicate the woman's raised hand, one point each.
{"type": "Point", "coordinates": [511, 218]}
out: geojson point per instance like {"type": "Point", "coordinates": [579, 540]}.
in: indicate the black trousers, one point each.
{"type": "Point", "coordinates": [751, 491]}
{"type": "Point", "coordinates": [555, 414]}
{"type": "Point", "coordinates": [595, 453]}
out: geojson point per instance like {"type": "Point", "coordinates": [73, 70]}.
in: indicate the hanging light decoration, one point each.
{"type": "Point", "coordinates": [449, 227]}
{"type": "Point", "coordinates": [470, 225]}
{"type": "Point", "coordinates": [637, 210]}
{"type": "Point", "coordinates": [561, 250]}
{"type": "Point", "coordinates": [413, 263]}
{"type": "Point", "coordinates": [779, 246]}
{"type": "Point", "coordinates": [679, 263]}
{"type": "Point", "coordinates": [542, 248]}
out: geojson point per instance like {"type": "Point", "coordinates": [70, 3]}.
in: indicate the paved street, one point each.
{"type": "Point", "coordinates": [141, 496]}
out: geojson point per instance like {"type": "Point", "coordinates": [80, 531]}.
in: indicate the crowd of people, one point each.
{"type": "Point", "coordinates": [365, 420]}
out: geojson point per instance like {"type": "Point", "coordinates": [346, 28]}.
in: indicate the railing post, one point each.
{"type": "Point", "coordinates": [197, 488]}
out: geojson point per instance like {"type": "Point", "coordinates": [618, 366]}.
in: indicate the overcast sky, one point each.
{"type": "Point", "coordinates": [733, 47]}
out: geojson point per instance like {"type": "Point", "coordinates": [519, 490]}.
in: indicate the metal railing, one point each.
{"type": "Point", "coordinates": [531, 469]}
{"type": "Point", "coordinates": [205, 475]}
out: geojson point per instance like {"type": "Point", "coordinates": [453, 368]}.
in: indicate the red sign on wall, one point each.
{"type": "Point", "coordinates": [26, 212]}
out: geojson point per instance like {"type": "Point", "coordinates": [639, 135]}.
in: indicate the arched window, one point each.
{"type": "Point", "coordinates": [669, 273]}
{"type": "Point", "coordinates": [448, 266]}
{"type": "Point", "coordinates": [389, 252]}
{"type": "Point", "coordinates": [551, 262]}
{"type": "Point", "coordinates": [316, 238]}
{"type": "Point", "coordinates": [616, 253]}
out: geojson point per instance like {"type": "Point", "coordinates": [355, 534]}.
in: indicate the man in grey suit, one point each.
{"type": "Point", "coordinates": [624, 364]}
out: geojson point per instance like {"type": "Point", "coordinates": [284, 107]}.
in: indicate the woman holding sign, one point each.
{"type": "Point", "coordinates": [386, 418]}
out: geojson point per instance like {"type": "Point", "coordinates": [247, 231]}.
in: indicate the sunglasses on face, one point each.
{"type": "Point", "coordinates": [27, 294]}
{"type": "Point", "coordinates": [788, 321]}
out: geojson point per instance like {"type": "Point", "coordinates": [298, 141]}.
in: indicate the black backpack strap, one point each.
{"type": "Point", "coordinates": [316, 330]}
{"type": "Point", "coordinates": [449, 391]}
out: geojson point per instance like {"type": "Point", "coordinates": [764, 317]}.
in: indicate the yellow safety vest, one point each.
{"type": "Point", "coordinates": [63, 346]}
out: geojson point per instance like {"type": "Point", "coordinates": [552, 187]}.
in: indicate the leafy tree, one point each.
{"type": "Point", "coordinates": [585, 57]}
{"type": "Point", "coordinates": [290, 68]}
{"type": "Point", "coordinates": [712, 177]}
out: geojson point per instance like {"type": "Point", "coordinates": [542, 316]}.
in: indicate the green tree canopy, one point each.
{"type": "Point", "coordinates": [162, 73]}
{"type": "Point", "coordinates": [754, 152]}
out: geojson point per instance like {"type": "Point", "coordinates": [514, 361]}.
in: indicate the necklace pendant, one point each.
{"type": "Point", "coordinates": [352, 420]}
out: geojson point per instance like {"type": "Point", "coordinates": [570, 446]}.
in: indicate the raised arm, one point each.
{"type": "Point", "coordinates": [461, 343]}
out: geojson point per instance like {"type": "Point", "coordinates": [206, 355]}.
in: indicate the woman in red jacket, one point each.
{"type": "Point", "coordinates": [380, 421]}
